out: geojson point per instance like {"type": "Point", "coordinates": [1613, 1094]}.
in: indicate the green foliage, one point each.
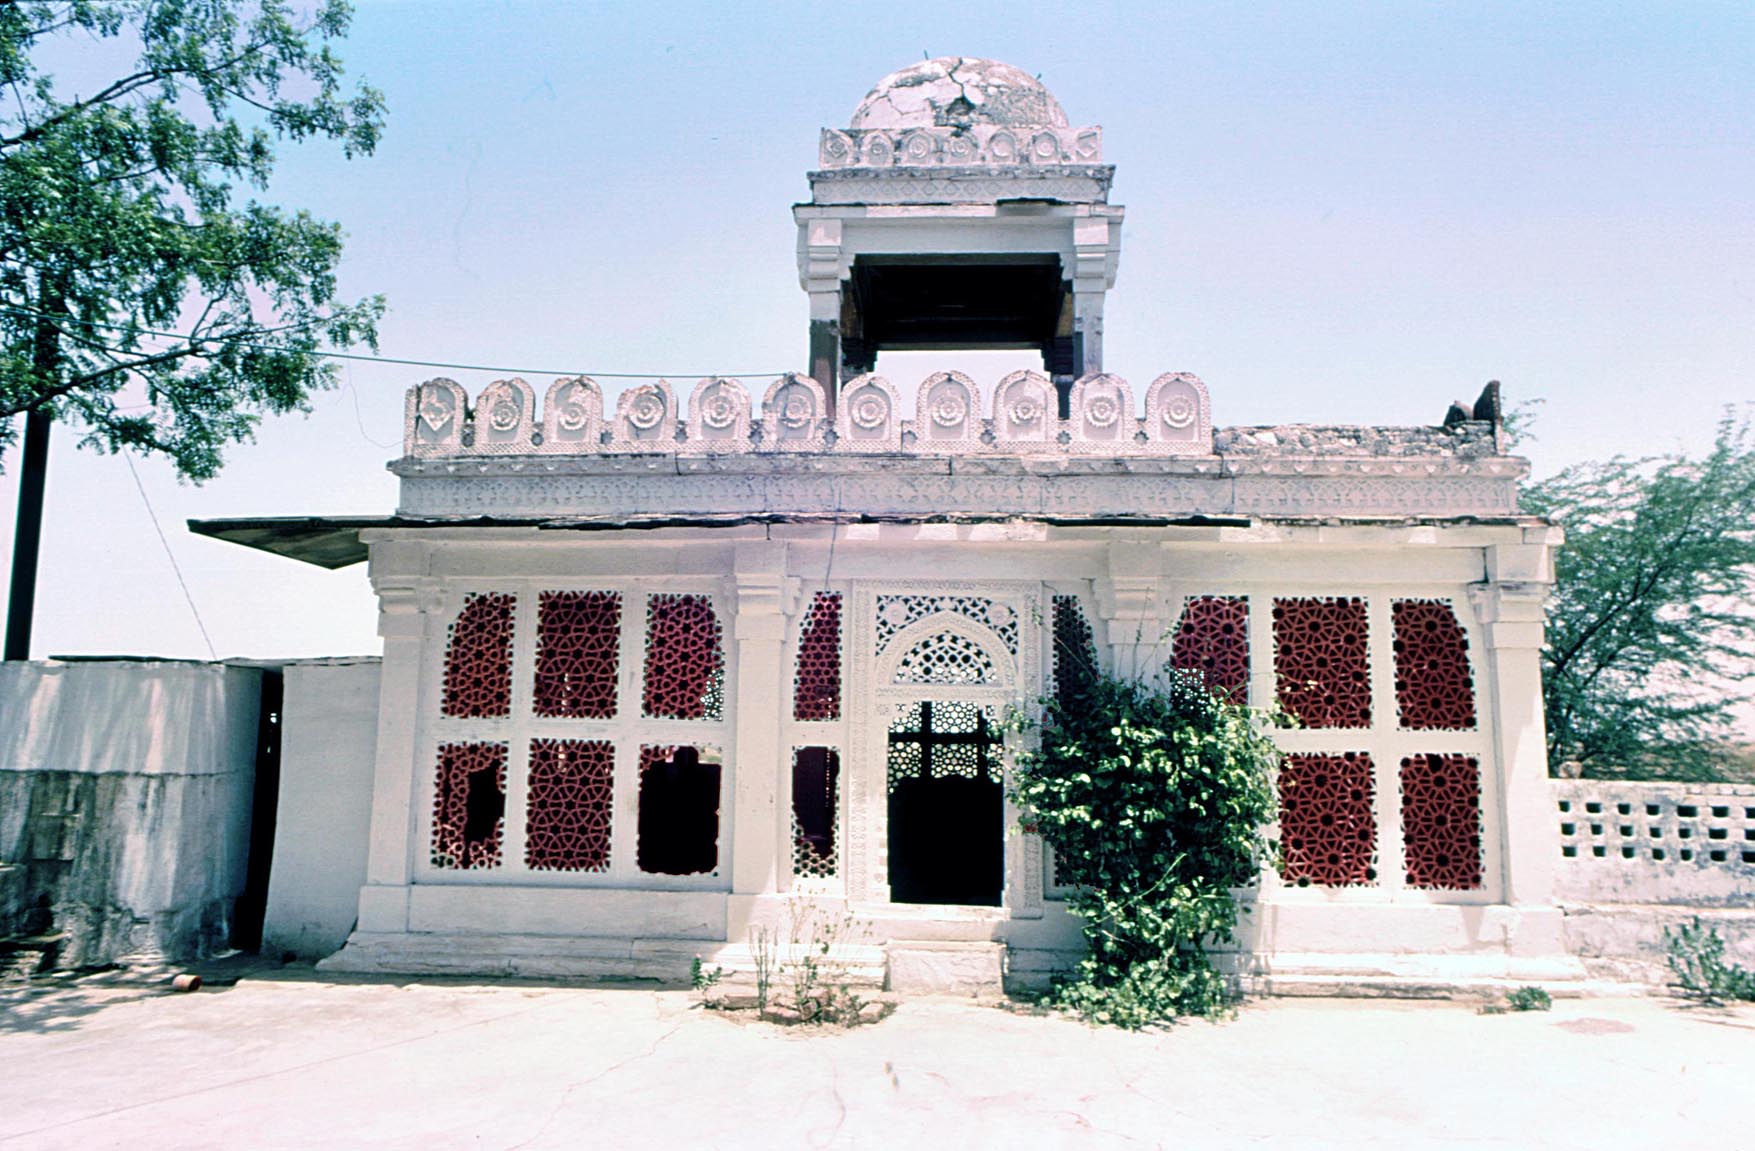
{"type": "Point", "coordinates": [1153, 798]}
{"type": "Point", "coordinates": [1529, 999]}
{"type": "Point", "coordinates": [120, 217]}
{"type": "Point", "coordinates": [1697, 960]}
{"type": "Point", "coordinates": [702, 979]}
{"type": "Point", "coordinates": [1649, 633]}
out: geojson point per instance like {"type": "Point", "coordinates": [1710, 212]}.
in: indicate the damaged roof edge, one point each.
{"type": "Point", "coordinates": [334, 541]}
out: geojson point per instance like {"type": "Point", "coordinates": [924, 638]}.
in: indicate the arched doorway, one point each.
{"type": "Point", "coordinates": [943, 686]}
{"type": "Point", "coordinates": [946, 804]}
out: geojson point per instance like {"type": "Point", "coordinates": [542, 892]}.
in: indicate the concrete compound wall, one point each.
{"type": "Point", "coordinates": [125, 802]}
{"type": "Point", "coordinates": [1640, 858]}
{"type": "Point", "coordinates": [325, 806]}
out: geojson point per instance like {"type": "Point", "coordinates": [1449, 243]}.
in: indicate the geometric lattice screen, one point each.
{"type": "Point", "coordinates": [1321, 663]}
{"type": "Point", "coordinates": [470, 805]}
{"type": "Point", "coordinates": [1433, 688]}
{"type": "Point", "coordinates": [478, 658]}
{"type": "Point", "coordinates": [1328, 834]}
{"type": "Point", "coordinates": [816, 684]}
{"type": "Point", "coordinates": [1075, 650]}
{"type": "Point", "coordinates": [1441, 820]}
{"type": "Point", "coordinates": [578, 650]}
{"type": "Point", "coordinates": [571, 794]}
{"type": "Point", "coordinates": [1212, 641]}
{"type": "Point", "coordinates": [946, 658]}
{"type": "Point", "coordinates": [685, 666]}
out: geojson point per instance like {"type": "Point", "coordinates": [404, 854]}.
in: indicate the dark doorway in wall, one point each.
{"type": "Point", "coordinates": [252, 903]}
{"type": "Point", "coordinates": [947, 807]}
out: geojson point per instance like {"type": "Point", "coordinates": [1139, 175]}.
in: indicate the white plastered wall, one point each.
{"type": "Point", "coordinates": [761, 577]}
{"type": "Point", "coordinates": [330, 726]}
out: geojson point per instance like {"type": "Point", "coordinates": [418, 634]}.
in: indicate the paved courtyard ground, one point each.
{"type": "Point", "coordinates": [285, 1059]}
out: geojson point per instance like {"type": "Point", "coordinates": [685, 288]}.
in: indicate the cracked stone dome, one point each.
{"type": "Point", "coordinates": [957, 92]}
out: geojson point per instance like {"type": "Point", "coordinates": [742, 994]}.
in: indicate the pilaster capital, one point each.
{"type": "Point", "coordinates": [1512, 613]}
{"type": "Point", "coordinates": [764, 591]}
{"type": "Point", "coordinates": [1529, 562]}
{"type": "Point", "coordinates": [1133, 587]}
{"type": "Point", "coordinates": [404, 603]}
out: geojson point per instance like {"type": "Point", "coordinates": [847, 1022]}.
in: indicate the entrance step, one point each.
{"type": "Point", "coordinates": [517, 956]}
{"type": "Point", "coordinates": [946, 967]}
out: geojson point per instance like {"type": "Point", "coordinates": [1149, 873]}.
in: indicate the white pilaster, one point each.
{"type": "Point", "coordinates": [1135, 619]}
{"type": "Point", "coordinates": [406, 594]}
{"type": "Point", "coordinates": [1511, 607]}
{"type": "Point", "coordinates": [759, 805]}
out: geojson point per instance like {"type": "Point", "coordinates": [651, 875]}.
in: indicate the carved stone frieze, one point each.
{"type": "Point", "coordinates": [1070, 184]}
{"type": "Point", "coordinates": [666, 492]}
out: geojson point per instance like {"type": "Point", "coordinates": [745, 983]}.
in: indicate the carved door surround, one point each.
{"type": "Point", "coordinates": [973, 642]}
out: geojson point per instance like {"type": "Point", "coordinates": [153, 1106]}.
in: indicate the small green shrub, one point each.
{"type": "Point", "coordinates": [1153, 797]}
{"type": "Point", "coordinates": [1697, 960]}
{"type": "Point", "coordinates": [703, 981]}
{"type": "Point", "coordinates": [1529, 999]}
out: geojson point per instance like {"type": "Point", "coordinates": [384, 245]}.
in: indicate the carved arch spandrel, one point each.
{"type": "Point", "coordinates": [908, 642]}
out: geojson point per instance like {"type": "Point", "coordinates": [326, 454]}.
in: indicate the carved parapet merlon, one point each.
{"type": "Point", "coordinates": [973, 146]}
{"type": "Point", "coordinates": [719, 418]}
{"type": "Point", "coordinates": [793, 418]}
{"type": "Point", "coordinates": [869, 418]}
{"type": "Point", "coordinates": [645, 420]}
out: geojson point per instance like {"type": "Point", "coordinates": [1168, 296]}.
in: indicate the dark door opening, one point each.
{"type": "Point", "coordinates": [947, 808]}
{"type": "Point", "coordinates": [251, 908]}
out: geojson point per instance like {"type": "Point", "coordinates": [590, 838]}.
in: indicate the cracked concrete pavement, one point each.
{"type": "Point", "coordinates": [284, 1059]}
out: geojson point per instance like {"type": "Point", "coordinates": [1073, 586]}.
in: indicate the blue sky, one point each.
{"type": "Point", "coordinates": [1336, 214]}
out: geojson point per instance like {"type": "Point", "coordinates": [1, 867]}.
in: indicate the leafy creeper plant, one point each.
{"type": "Point", "coordinates": [1154, 797]}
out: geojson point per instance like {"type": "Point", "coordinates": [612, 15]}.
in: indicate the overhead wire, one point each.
{"type": "Point", "coordinates": [128, 458]}
{"type": "Point", "coordinates": [396, 360]}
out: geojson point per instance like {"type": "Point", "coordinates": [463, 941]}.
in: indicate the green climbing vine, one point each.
{"type": "Point", "coordinates": [1154, 798]}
